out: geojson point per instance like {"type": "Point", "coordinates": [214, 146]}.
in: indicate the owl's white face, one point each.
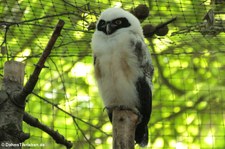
{"type": "Point", "coordinates": [116, 20]}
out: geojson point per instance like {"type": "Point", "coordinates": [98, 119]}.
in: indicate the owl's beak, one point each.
{"type": "Point", "coordinates": [108, 28]}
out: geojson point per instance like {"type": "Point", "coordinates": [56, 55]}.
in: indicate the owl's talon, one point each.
{"type": "Point", "coordinates": [123, 107]}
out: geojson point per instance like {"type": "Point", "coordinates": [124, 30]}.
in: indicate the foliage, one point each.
{"type": "Point", "coordinates": [188, 102]}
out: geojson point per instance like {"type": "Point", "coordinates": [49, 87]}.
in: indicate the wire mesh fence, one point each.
{"type": "Point", "coordinates": [188, 96]}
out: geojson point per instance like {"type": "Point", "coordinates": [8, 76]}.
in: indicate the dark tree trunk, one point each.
{"type": "Point", "coordinates": [11, 111]}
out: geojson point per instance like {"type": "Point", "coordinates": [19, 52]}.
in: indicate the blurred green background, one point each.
{"type": "Point", "coordinates": [188, 96]}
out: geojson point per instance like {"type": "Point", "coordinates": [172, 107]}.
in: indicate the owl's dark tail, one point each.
{"type": "Point", "coordinates": [141, 135]}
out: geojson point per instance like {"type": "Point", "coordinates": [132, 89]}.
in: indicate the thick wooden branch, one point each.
{"type": "Point", "coordinates": [11, 115]}
{"type": "Point", "coordinates": [28, 88]}
{"type": "Point", "coordinates": [54, 134]}
{"type": "Point", "coordinates": [124, 124]}
{"type": "Point", "coordinates": [14, 71]}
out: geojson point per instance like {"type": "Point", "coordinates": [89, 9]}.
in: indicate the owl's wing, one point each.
{"type": "Point", "coordinates": [142, 52]}
{"type": "Point", "coordinates": [144, 89]}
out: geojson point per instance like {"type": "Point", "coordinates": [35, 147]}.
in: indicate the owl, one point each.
{"type": "Point", "coordinates": [123, 66]}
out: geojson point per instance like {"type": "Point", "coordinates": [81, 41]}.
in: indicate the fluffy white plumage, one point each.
{"type": "Point", "coordinates": [117, 86]}
{"type": "Point", "coordinates": [121, 59]}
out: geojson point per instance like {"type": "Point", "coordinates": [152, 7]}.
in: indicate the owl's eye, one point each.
{"type": "Point", "coordinates": [118, 22]}
{"type": "Point", "coordinates": [101, 23]}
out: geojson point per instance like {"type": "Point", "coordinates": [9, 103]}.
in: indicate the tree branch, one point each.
{"type": "Point", "coordinates": [28, 88]}
{"type": "Point", "coordinates": [54, 134]}
{"type": "Point", "coordinates": [165, 23]}
{"type": "Point", "coordinates": [71, 115]}
{"type": "Point", "coordinates": [5, 23]}
{"type": "Point", "coordinates": [83, 134]}
{"type": "Point", "coordinates": [124, 122]}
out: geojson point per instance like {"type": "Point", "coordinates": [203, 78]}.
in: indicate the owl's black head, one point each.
{"type": "Point", "coordinates": [109, 27]}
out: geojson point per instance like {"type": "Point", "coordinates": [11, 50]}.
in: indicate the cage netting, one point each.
{"type": "Point", "coordinates": [189, 83]}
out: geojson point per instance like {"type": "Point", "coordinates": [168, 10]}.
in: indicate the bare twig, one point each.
{"type": "Point", "coordinates": [74, 120]}
{"type": "Point", "coordinates": [32, 121]}
{"type": "Point", "coordinates": [78, 8]}
{"type": "Point", "coordinates": [83, 134]}
{"type": "Point", "coordinates": [5, 35]}
{"type": "Point", "coordinates": [165, 23]}
{"type": "Point", "coordinates": [74, 117]}
{"type": "Point", "coordinates": [35, 19]}
{"type": "Point", "coordinates": [28, 88]}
